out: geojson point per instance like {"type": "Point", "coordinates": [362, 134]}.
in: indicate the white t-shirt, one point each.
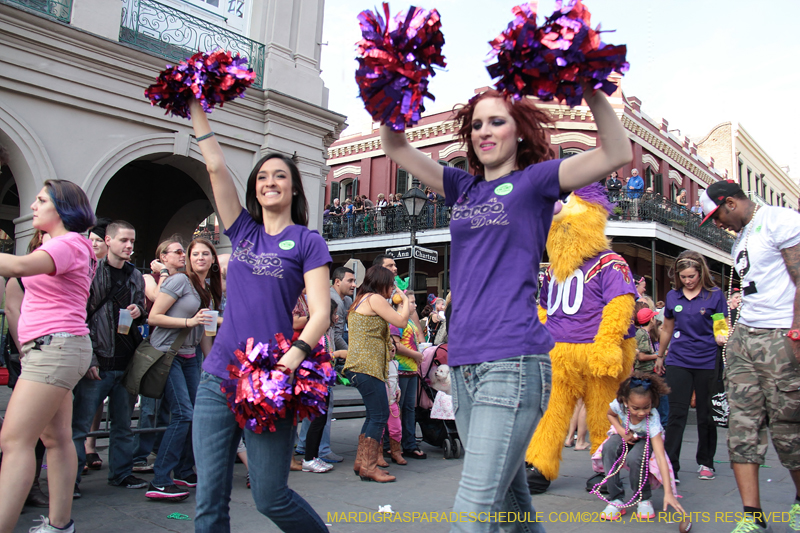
{"type": "Point", "coordinates": [773, 229]}
{"type": "Point", "coordinates": [655, 420]}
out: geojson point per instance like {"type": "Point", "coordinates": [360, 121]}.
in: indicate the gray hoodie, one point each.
{"type": "Point", "coordinates": [342, 306]}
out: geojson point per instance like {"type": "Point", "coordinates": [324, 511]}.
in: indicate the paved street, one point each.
{"type": "Point", "coordinates": [421, 487]}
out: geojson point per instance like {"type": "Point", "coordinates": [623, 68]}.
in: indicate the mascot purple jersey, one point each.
{"type": "Point", "coordinates": [575, 308]}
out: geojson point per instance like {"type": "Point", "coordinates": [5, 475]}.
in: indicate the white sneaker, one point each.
{"type": "Point", "coordinates": [316, 466]}
{"type": "Point", "coordinates": [45, 527]}
{"type": "Point", "coordinates": [645, 510]}
{"type": "Point", "coordinates": [612, 511]}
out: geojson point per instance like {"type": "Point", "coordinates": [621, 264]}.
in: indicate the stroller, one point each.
{"type": "Point", "coordinates": [434, 431]}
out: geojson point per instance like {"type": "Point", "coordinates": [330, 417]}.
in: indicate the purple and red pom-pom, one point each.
{"type": "Point", "coordinates": [557, 59]}
{"type": "Point", "coordinates": [212, 79]}
{"type": "Point", "coordinates": [396, 58]}
{"type": "Point", "coordinates": [260, 392]}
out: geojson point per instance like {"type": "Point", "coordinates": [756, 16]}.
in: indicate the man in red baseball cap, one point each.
{"type": "Point", "coordinates": [763, 352]}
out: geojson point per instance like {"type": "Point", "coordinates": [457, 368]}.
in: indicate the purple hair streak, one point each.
{"type": "Point", "coordinates": [595, 194]}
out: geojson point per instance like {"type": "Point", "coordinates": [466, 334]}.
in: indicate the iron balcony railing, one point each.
{"type": "Point", "coordinates": [58, 9]}
{"type": "Point", "coordinates": [172, 34]}
{"type": "Point", "coordinates": [649, 207]}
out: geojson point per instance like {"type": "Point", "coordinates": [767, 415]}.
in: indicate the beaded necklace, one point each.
{"type": "Point", "coordinates": [749, 228]}
{"type": "Point", "coordinates": [644, 469]}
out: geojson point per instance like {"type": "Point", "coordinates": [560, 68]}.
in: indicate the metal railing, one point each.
{"type": "Point", "coordinates": [58, 9]}
{"type": "Point", "coordinates": [649, 207]}
{"type": "Point", "coordinates": [172, 34]}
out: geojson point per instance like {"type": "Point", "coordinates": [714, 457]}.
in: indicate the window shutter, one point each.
{"type": "Point", "coordinates": [334, 190]}
{"type": "Point", "coordinates": [402, 181]}
{"type": "Point", "coordinates": [658, 185]}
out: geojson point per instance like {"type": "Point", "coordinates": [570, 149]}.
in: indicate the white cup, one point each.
{"type": "Point", "coordinates": [125, 322]}
{"type": "Point", "coordinates": [211, 329]}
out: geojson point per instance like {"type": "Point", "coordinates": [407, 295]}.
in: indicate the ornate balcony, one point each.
{"type": "Point", "coordinates": [172, 34]}
{"type": "Point", "coordinates": [57, 9]}
{"type": "Point", "coordinates": [648, 208]}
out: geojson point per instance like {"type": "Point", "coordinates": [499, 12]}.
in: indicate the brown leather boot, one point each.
{"type": "Point", "coordinates": [381, 460]}
{"type": "Point", "coordinates": [37, 498]}
{"type": "Point", "coordinates": [397, 452]}
{"type": "Point", "coordinates": [359, 454]}
{"type": "Point", "coordinates": [369, 467]}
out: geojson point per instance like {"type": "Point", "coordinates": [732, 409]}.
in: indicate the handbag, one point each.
{"type": "Point", "coordinates": [718, 398]}
{"type": "Point", "coordinates": [148, 370]}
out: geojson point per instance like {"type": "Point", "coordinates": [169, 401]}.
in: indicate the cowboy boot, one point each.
{"type": "Point", "coordinates": [397, 452]}
{"type": "Point", "coordinates": [359, 454]}
{"type": "Point", "coordinates": [369, 467]}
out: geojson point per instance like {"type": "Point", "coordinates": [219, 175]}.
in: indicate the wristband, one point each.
{"type": "Point", "coordinates": [302, 346]}
{"type": "Point", "coordinates": [206, 136]}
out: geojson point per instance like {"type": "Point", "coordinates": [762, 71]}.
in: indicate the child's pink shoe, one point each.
{"type": "Point", "coordinates": [645, 510]}
{"type": "Point", "coordinates": [612, 512]}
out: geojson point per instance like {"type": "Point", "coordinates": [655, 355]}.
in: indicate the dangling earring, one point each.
{"type": "Point", "coordinates": [294, 194]}
{"type": "Point", "coordinates": [214, 268]}
{"type": "Point", "coordinates": [519, 140]}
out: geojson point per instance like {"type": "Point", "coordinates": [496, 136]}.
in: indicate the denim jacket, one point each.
{"type": "Point", "coordinates": [102, 329]}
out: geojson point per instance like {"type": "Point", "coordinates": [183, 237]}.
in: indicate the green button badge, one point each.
{"type": "Point", "coordinates": [286, 245]}
{"type": "Point", "coordinates": [504, 189]}
{"type": "Point", "coordinates": [678, 308]}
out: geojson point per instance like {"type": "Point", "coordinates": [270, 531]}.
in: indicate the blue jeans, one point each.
{"type": "Point", "coordinates": [216, 438]}
{"type": "Point", "coordinates": [663, 410]}
{"type": "Point", "coordinates": [325, 444]}
{"type": "Point", "coordinates": [376, 403]}
{"type": "Point", "coordinates": [152, 413]}
{"type": "Point", "coordinates": [498, 405]}
{"type": "Point", "coordinates": [408, 401]}
{"type": "Point", "coordinates": [175, 453]}
{"type": "Point", "coordinates": [88, 395]}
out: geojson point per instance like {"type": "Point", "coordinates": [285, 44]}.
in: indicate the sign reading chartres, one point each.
{"type": "Point", "coordinates": [405, 252]}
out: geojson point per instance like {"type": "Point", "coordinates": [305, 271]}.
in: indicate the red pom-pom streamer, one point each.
{"type": "Point", "coordinates": [396, 58]}
{"type": "Point", "coordinates": [260, 392]}
{"type": "Point", "coordinates": [557, 59]}
{"type": "Point", "coordinates": [213, 79]}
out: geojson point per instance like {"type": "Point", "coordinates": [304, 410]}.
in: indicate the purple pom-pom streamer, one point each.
{"type": "Point", "coordinates": [213, 79]}
{"type": "Point", "coordinates": [556, 60]}
{"type": "Point", "coordinates": [396, 58]}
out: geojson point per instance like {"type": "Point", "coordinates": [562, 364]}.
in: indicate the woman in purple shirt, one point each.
{"type": "Point", "coordinates": [688, 332]}
{"type": "Point", "coordinates": [501, 392]}
{"type": "Point", "coordinates": [274, 256]}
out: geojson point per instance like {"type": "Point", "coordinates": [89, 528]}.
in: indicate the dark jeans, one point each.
{"type": "Point", "coordinates": [152, 413]}
{"type": "Point", "coordinates": [315, 430]}
{"type": "Point", "coordinates": [408, 400]}
{"type": "Point", "coordinates": [376, 403]}
{"type": "Point", "coordinates": [683, 381]}
{"type": "Point", "coordinates": [612, 450]}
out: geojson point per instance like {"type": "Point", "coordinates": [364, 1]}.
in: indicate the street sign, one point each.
{"type": "Point", "coordinates": [358, 270]}
{"type": "Point", "coordinates": [400, 252]}
{"type": "Point", "coordinates": [404, 252]}
{"type": "Point", "coordinates": [426, 254]}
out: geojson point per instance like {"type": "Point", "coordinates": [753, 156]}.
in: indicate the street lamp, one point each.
{"type": "Point", "coordinates": [414, 201]}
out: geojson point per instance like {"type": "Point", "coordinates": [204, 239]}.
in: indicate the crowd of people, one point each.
{"type": "Point", "coordinates": [75, 306]}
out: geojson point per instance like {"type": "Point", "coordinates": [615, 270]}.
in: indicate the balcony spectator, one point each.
{"type": "Point", "coordinates": [398, 199]}
{"type": "Point", "coordinates": [635, 185]}
{"type": "Point", "coordinates": [696, 209]}
{"type": "Point", "coordinates": [358, 206]}
{"type": "Point", "coordinates": [382, 201]}
{"type": "Point", "coordinates": [614, 185]}
{"type": "Point", "coordinates": [336, 209]}
{"type": "Point", "coordinates": [368, 204]}
{"type": "Point", "coordinates": [681, 200]}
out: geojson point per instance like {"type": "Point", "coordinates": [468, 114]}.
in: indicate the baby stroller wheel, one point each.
{"type": "Point", "coordinates": [448, 449]}
{"type": "Point", "coordinates": [457, 448]}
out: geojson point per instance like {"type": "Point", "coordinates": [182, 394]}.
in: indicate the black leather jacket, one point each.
{"type": "Point", "coordinates": [102, 329]}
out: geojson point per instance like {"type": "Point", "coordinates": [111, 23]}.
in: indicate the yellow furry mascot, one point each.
{"type": "Point", "coordinates": [586, 303]}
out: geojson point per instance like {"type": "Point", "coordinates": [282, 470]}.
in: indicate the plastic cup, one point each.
{"type": "Point", "coordinates": [125, 322]}
{"type": "Point", "coordinates": [211, 329]}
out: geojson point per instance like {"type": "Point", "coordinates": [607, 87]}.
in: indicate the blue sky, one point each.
{"type": "Point", "coordinates": [695, 63]}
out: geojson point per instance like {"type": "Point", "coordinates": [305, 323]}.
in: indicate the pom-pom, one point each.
{"type": "Point", "coordinates": [260, 392]}
{"type": "Point", "coordinates": [396, 57]}
{"type": "Point", "coordinates": [556, 60]}
{"type": "Point", "coordinates": [213, 79]}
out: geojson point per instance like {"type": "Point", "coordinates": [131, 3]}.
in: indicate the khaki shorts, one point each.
{"type": "Point", "coordinates": [62, 363]}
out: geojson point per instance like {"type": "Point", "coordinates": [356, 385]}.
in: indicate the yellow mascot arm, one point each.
{"type": "Point", "coordinates": [606, 357]}
{"type": "Point", "coordinates": [542, 315]}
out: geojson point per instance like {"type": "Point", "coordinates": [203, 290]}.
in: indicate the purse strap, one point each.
{"type": "Point", "coordinates": [179, 340]}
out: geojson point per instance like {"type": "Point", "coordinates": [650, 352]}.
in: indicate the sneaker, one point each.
{"type": "Point", "coordinates": [132, 482]}
{"type": "Point", "coordinates": [167, 493]}
{"type": "Point", "coordinates": [299, 451]}
{"type": "Point", "coordinates": [645, 510]}
{"type": "Point", "coordinates": [142, 467]}
{"type": "Point", "coordinates": [45, 527]}
{"type": "Point", "coordinates": [332, 458]}
{"type": "Point", "coordinates": [188, 481]}
{"type": "Point", "coordinates": [612, 512]}
{"type": "Point", "coordinates": [76, 493]}
{"type": "Point", "coordinates": [677, 481]}
{"type": "Point", "coordinates": [794, 517]}
{"type": "Point", "coordinates": [316, 466]}
{"type": "Point", "coordinates": [748, 525]}
{"type": "Point", "coordinates": [705, 472]}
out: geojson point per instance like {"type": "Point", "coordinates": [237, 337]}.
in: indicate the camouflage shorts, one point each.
{"type": "Point", "coordinates": [762, 380]}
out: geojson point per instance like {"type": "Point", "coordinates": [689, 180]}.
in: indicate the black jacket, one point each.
{"type": "Point", "coordinates": [102, 323]}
